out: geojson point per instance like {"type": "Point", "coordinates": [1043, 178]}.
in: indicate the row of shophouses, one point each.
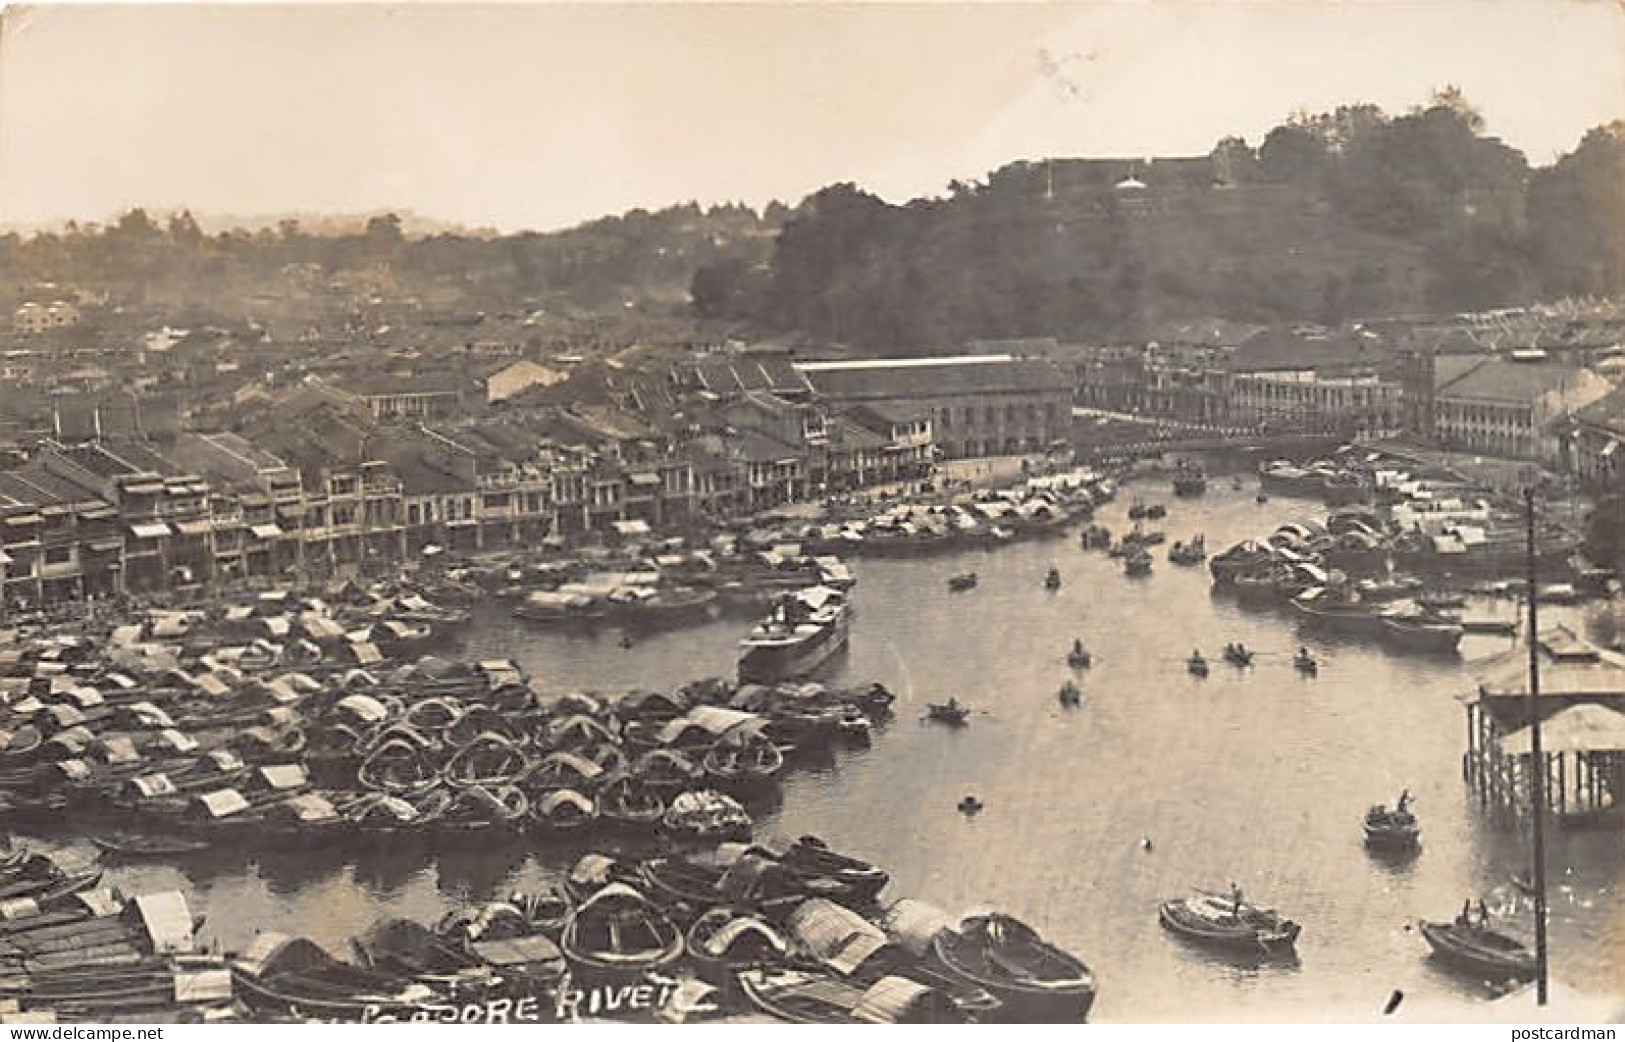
{"type": "Point", "coordinates": [317, 486]}
{"type": "Point", "coordinates": [1560, 410]}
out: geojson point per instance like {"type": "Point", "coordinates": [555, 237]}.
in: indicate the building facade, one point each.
{"type": "Point", "coordinates": [974, 405]}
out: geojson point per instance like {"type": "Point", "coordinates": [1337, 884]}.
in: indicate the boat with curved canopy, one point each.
{"type": "Point", "coordinates": [722, 942]}
{"type": "Point", "coordinates": [619, 936]}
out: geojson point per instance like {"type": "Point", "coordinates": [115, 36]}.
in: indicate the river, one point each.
{"type": "Point", "coordinates": [1159, 781]}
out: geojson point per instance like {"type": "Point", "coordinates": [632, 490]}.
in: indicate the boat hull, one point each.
{"type": "Point", "coordinates": [767, 664]}
{"type": "Point", "coordinates": [1423, 640]}
{"type": "Point", "coordinates": [1178, 920]}
{"type": "Point", "coordinates": [1511, 963]}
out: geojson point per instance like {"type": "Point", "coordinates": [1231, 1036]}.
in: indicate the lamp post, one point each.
{"type": "Point", "coordinates": [1536, 756]}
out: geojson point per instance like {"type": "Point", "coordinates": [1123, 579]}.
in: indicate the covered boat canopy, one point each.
{"type": "Point", "coordinates": [283, 776]}
{"type": "Point", "coordinates": [837, 936]}
{"type": "Point", "coordinates": [222, 803]}
{"type": "Point", "coordinates": [308, 808]}
{"type": "Point", "coordinates": [714, 720]}
{"type": "Point", "coordinates": [363, 708]}
{"type": "Point", "coordinates": [913, 924]}
{"type": "Point", "coordinates": [564, 797]}
{"type": "Point", "coordinates": [167, 921]}
{"type": "Point", "coordinates": [153, 785]}
{"type": "Point", "coordinates": [565, 765]}
{"type": "Point", "coordinates": [898, 1000]}
{"type": "Point", "coordinates": [177, 741]}
{"type": "Point", "coordinates": [740, 930]}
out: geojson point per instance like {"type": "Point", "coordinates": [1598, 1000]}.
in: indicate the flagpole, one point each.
{"type": "Point", "coordinates": [1537, 758]}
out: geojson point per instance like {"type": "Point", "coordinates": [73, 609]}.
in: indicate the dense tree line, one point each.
{"type": "Point", "coordinates": [171, 263]}
{"type": "Point", "coordinates": [1335, 215]}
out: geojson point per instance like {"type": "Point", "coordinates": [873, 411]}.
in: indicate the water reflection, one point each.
{"type": "Point", "coordinates": [1258, 775]}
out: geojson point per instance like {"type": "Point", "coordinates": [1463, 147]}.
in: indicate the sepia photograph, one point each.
{"type": "Point", "coordinates": [762, 513]}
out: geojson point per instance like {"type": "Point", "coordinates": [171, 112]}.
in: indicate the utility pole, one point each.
{"type": "Point", "coordinates": [1536, 756]}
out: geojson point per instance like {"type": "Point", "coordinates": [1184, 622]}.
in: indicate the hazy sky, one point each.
{"type": "Point", "coordinates": [540, 115]}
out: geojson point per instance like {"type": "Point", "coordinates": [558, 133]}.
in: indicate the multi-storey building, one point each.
{"type": "Point", "coordinates": [978, 405]}
{"type": "Point", "coordinates": [1519, 409]}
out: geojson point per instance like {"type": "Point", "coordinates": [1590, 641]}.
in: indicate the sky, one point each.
{"type": "Point", "coordinates": [541, 115]}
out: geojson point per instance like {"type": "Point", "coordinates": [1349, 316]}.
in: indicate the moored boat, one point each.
{"type": "Point", "coordinates": [705, 816]}
{"type": "Point", "coordinates": [813, 997]}
{"type": "Point", "coordinates": [722, 942]}
{"type": "Point", "coordinates": [1423, 634]}
{"type": "Point", "coordinates": [803, 630]}
{"type": "Point", "coordinates": [950, 712]}
{"type": "Point", "coordinates": [962, 582]}
{"type": "Point", "coordinates": [1034, 981]}
{"type": "Point", "coordinates": [630, 804]}
{"type": "Point", "coordinates": [618, 936]}
{"type": "Point", "coordinates": [749, 764]}
{"type": "Point", "coordinates": [810, 859]}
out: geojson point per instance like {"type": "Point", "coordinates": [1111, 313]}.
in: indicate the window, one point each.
{"type": "Point", "coordinates": [58, 554]}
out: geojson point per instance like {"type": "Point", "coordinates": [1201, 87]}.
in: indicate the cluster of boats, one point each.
{"type": "Point", "coordinates": [159, 736]}
{"type": "Point", "coordinates": [991, 517]}
{"type": "Point", "coordinates": [1290, 570]}
{"type": "Point", "coordinates": [1241, 656]}
{"type": "Point", "coordinates": [675, 589]}
{"type": "Point", "coordinates": [97, 956]}
{"type": "Point", "coordinates": [792, 931]}
{"type": "Point", "coordinates": [1226, 922]}
{"type": "Point", "coordinates": [1134, 547]}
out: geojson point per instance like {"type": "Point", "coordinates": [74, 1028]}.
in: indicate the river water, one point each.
{"type": "Point", "coordinates": [1256, 776]}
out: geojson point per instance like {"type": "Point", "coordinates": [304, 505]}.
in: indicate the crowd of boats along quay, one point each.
{"type": "Point", "coordinates": [340, 718]}
{"type": "Point", "coordinates": [320, 720]}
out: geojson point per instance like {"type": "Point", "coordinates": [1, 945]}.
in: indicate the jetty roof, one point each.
{"type": "Point", "coordinates": [1578, 729]}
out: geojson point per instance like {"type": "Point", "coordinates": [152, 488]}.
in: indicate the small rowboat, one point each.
{"type": "Point", "coordinates": [1238, 655]}
{"type": "Point", "coordinates": [1391, 829]}
{"type": "Point", "coordinates": [125, 844]}
{"type": "Point", "coordinates": [950, 712]}
{"type": "Point", "coordinates": [962, 582]}
{"type": "Point", "coordinates": [1079, 657]}
{"type": "Point", "coordinates": [1196, 664]}
{"type": "Point", "coordinates": [1069, 694]}
{"type": "Point", "coordinates": [1486, 953]}
{"type": "Point", "coordinates": [1305, 663]}
{"type": "Point", "coordinates": [1222, 921]}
